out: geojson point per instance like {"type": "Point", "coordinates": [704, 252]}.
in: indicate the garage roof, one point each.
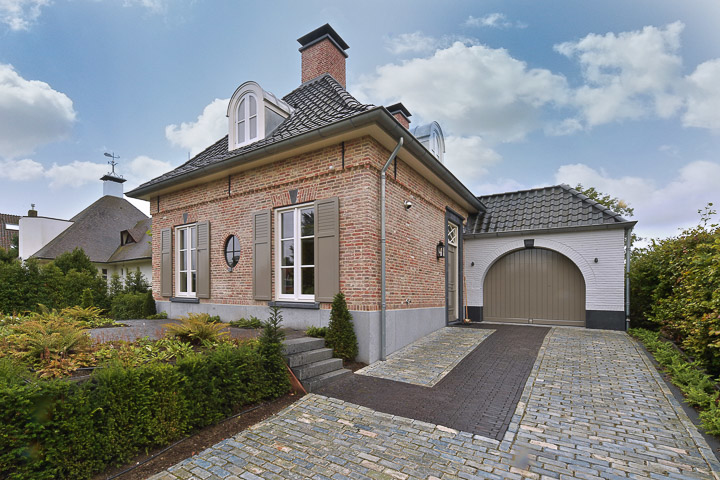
{"type": "Point", "coordinates": [559, 206]}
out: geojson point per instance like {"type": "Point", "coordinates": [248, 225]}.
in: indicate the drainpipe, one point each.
{"type": "Point", "coordinates": [383, 305]}
{"type": "Point", "coordinates": [628, 237]}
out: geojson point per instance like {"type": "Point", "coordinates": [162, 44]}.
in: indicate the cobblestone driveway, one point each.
{"type": "Point", "coordinates": [593, 407]}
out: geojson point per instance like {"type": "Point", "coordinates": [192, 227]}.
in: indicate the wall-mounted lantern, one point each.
{"type": "Point", "coordinates": [530, 243]}
{"type": "Point", "coordinates": [440, 250]}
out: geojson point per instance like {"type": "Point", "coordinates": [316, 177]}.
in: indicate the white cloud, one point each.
{"type": "Point", "coordinates": [471, 90]}
{"type": "Point", "coordinates": [498, 185]}
{"type": "Point", "coordinates": [155, 6]}
{"type": "Point", "coordinates": [628, 75]}
{"type": "Point", "coordinates": [415, 42]}
{"type": "Point", "coordinates": [703, 103]}
{"type": "Point", "coordinates": [493, 20]}
{"type": "Point", "coordinates": [659, 209]}
{"type": "Point", "coordinates": [143, 168]}
{"type": "Point", "coordinates": [565, 127]}
{"type": "Point", "coordinates": [75, 174]}
{"type": "Point", "coordinates": [468, 158]}
{"type": "Point", "coordinates": [211, 125]}
{"type": "Point", "coordinates": [20, 14]}
{"type": "Point", "coordinates": [21, 170]}
{"type": "Point", "coordinates": [31, 113]}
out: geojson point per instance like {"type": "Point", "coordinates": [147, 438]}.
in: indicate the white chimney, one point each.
{"type": "Point", "coordinates": [112, 185]}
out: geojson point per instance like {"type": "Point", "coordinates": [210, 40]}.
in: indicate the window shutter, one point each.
{"type": "Point", "coordinates": [327, 249]}
{"type": "Point", "coordinates": [262, 284]}
{"type": "Point", "coordinates": [203, 259]}
{"type": "Point", "coordinates": [166, 262]}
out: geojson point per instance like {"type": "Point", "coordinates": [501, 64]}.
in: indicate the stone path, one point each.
{"type": "Point", "coordinates": [593, 408]}
{"type": "Point", "coordinates": [427, 361]}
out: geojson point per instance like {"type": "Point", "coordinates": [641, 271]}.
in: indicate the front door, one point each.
{"type": "Point", "coordinates": [452, 271]}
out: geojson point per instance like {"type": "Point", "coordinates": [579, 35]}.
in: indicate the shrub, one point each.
{"type": "Point", "coordinates": [126, 306]}
{"type": "Point", "coordinates": [90, 317]}
{"type": "Point", "coordinates": [158, 316]}
{"type": "Point", "coordinates": [317, 332]}
{"type": "Point", "coordinates": [135, 282]}
{"type": "Point", "coordinates": [252, 322]}
{"type": "Point", "coordinates": [196, 328]}
{"type": "Point", "coordinates": [271, 350]}
{"type": "Point", "coordinates": [115, 287]}
{"type": "Point", "coordinates": [66, 430]}
{"type": "Point", "coordinates": [340, 334]}
{"type": "Point", "coordinates": [149, 309]}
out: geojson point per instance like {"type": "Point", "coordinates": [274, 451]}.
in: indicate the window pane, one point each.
{"type": "Point", "coordinates": [253, 128]}
{"type": "Point", "coordinates": [308, 280]}
{"type": "Point", "coordinates": [288, 224]}
{"type": "Point", "coordinates": [183, 262]}
{"type": "Point", "coordinates": [288, 252]}
{"type": "Point", "coordinates": [241, 132]}
{"type": "Point", "coordinates": [193, 288]}
{"type": "Point", "coordinates": [183, 282]}
{"type": "Point", "coordinates": [241, 111]}
{"type": "Point", "coordinates": [232, 251]}
{"type": "Point", "coordinates": [193, 261]}
{"type": "Point", "coordinates": [183, 234]}
{"type": "Point", "coordinates": [308, 251]}
{"type": "Point", "coordinates": [253, 106]}
{"type": "Point", "coordinates": [288, 281]}
{"type": "Point", "coordinates": [307, 222]}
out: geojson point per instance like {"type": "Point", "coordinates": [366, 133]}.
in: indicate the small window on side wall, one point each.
{"type": "Point", "coordinates": [232, 251]}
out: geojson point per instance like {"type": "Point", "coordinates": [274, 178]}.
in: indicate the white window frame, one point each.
{"type": "Point", "coordinates": [297, 244]}
{"type": "Point", "coordinates": [188, 293]}
{"type": "Point", "coordinates": [245, 117]}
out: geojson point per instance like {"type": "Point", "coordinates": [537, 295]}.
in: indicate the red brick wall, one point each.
{"type": "Point", "coordinates": [413, 270]}
{"type": "Point", "coordinates": [323, 57]}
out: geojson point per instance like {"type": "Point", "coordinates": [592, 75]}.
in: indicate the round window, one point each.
{"type": "Point", "coordinates": [232, 251]}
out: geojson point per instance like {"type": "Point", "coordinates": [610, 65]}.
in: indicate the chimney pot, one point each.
{"type": "Point", "coordinates": [323, 51]}
{"type": "Point", "coordinates": [401, 114]}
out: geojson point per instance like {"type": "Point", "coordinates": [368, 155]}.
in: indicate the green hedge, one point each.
{"type": "Point", "coordinates": [127, 306]}
{"type": "Point", "coordinates": [60, 429]}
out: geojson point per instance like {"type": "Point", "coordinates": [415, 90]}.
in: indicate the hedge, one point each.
{"type": "Point", "coordinates": [60, 429]}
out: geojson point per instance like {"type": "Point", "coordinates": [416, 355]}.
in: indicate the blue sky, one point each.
{"type": "Point", "coordinates": [623, 96]}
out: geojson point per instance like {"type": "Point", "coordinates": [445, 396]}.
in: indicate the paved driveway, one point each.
{"type": "Point", "coordinates": [592, 406]}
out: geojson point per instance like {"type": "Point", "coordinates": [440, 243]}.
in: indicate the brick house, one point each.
{"type": "Point", "coordinates": [9, 228]}
{"type": "Point", "coordinates": [286, 210]}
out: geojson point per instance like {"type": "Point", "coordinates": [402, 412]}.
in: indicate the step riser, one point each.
{"type": "Point", "coordinates": [315, 383]}
{"type": "Point", "coordinates": [305, 358]}
{"type": "Point", "coordinates": [317, 368]}
{"type": "Point", "coordinates": [299, 345]}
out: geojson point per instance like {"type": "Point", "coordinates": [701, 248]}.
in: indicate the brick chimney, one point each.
{"type": "Point", "coordinates": [323, 51]}
{"type": "Point", "coordinates": [401, 114]}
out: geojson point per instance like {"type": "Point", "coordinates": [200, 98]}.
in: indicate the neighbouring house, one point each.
{"type": "Point", "coordinates": [287, 210]}
{"type": "Point", "coordinates": [114, 234]}
{"type": "Point", "coordinates": [9, 228]}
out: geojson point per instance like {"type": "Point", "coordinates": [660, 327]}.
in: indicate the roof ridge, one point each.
{"type": "Point", "coordinates": [535, 189]}
{"type": "Point", "coordinates": [593, 203]}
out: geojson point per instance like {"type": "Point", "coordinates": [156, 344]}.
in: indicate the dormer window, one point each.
{"type": "Point", "coordinates": [432, 137]}
{"type": "Point", "coordinates": [253, 114]}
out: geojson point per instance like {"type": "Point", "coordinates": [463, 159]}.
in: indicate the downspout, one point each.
{"type": "Point", "coordinates": [383, 305]}
{"type": "Point", "coordinates": [628, 237]}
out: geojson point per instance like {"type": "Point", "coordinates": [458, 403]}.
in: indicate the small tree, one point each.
{"type": "Point", "coordinates": [116, 286]}
{"type": "Point", "coordinates": [75, 260]}
{"type": "Point", "coordinates": [87, 298]}
{"type": "Point", "coordinates": [340, 334]}
{"type": "Point", "coordinates": [149, 307]}
{"type": "Point", "coordinates": [271, 349]}
{"type": "Point", "coordinates": [135, 282]}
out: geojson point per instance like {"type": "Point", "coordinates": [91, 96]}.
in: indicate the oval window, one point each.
{"type": "Point", "coordinates": [232, 251]}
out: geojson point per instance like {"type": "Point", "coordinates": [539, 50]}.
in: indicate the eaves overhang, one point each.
{"type": "Point", "coordinates": [580, 228]}
{"type": "Point", "coordinates": [377, 122]}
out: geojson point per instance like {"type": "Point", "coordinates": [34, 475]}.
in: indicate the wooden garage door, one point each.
{"type": "Point", "coordinates": [534, 286]}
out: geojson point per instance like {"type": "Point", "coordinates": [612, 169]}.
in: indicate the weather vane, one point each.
{"type": "Point", "coordinates": [112, 162]}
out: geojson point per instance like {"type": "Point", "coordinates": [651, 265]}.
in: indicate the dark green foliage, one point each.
{"type": "Point", "coordinates": [115, 287]}
{"type": "Point", "coordinates": [252, 322]}
{"type": "Point", "coordinates": [68, 430]}
{"type": "Point", "coordinates": [8, 255]}
{"type": "Point", "coordinates": [75, 260]}
{"type": "Point", "coordinates": [340, 334]}
{"type": "Point", "coordinates": [317, 332]}
{"type": "Point", "coordinates": [126, 306]}
{"type": "Point", "coordinates": [87, 299]}
{"type": "Point", "coordinates": [149, 307]}
{"type": "Point", "coordinates": [271, 350]}
{"type": "Point", "coordinates": [135, 282]}
{"type": "Point", "coordinates": [697, 386]}
{"type": "Point", "coordinates": [158, 316]}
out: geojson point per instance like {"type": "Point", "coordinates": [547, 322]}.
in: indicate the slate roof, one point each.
{"type": "Point", "coordinates": [559, 206]}
{"type": "Point", "coordinates": [96, 230]}
{"type": "Point", "coordinates": [317, 103]}
{"type": "Point", "coordinates": [5, 234]}
{"type": "Point", "coordinates": [140, 249]}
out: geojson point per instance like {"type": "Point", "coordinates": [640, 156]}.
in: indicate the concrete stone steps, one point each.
{"type": "Point", "coordinates": [312, 363]}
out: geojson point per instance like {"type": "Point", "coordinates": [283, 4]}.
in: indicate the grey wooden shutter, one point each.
{"type": "Point", "coordinates": [203, 259]}
{"type": "Point", "coordinates": [262, 269]}
{"type": "Point", "coordinates": [327, 249]}
{"type": "Point", "coordinates": [166, 262]}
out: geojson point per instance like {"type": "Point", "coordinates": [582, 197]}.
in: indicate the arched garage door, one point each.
{"type": "Point", "coordinates": [534, 286]}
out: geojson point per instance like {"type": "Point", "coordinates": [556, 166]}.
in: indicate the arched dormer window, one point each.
{"type": "Point", "coordinates": [247, 119]}
{"type": "Point", "coordinates": [253, 114]}
{"type": "Point", "coordinates": [431, 136]}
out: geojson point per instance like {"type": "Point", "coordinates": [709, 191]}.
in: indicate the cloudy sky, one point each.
{"type": "Point", "coordinates": [620, 95]}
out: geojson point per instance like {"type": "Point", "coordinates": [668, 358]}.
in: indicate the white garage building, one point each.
{"type": "Point", "coordinates": [547, 256]}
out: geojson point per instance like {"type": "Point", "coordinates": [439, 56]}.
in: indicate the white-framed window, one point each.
{"type": "Point", "coordinates": [295, 253]}
{"type": "Point", "coordinates": [186, 261]}
{"type": "Point", "coordinates": [246, 123]}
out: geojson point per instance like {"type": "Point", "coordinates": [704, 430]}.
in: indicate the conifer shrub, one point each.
{"type": "Point", "coordinates": [87, 299]}
{"type": "Point", "coordinates": [340, 334]}
{"type": "Point", "coordinates": [271, 350]}
{"type": "Point", "coordinates": [149, 309]}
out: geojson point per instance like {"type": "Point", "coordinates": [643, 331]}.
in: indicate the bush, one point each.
{"type": "Point", "coordinates": [65, 430]}
{"type": "Point", "coordinates": [340, 334]}
{"type": "Point", "coordinates": [149, 309]}
{"type": "Point", "coordinates": [135, 282]}
{"type": "Point", "coordinates": [158, 316]}
{"type": "Point", "coordinates": [196, 328]}
{"type": "Point", "coordinates": [252, 322]}
{"type": "Point", "coordinates": [126, 306]}
{"type": "Point", "coordinates": [87, 298]}
{"type": "Point", "coordinates": [271, 350]}
{"type": "Point", "coordinates": [317, 332]}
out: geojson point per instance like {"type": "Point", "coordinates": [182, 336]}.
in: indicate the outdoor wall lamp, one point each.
{"type": "Point", "coordinates": [440, 250]}
{"type": "Point", "coordinates": [530, 243]}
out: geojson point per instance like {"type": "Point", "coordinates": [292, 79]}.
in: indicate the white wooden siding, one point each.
{"type": "Point", "coordinates": [605, 280]}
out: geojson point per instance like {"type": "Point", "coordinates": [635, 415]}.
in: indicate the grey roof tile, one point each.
{"type": "Point", "coordinates": [559, 206]}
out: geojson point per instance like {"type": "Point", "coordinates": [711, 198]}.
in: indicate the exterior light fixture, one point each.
{"type": "Point", "coordinates": [529, 243]}
{"type": "Point", "coordinates": [440, 250]}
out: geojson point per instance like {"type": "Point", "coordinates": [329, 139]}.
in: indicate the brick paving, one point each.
{"type": "Point", "coordinates": [427, 361]}
{"type": "Point", "coordinates": [593, 407]}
